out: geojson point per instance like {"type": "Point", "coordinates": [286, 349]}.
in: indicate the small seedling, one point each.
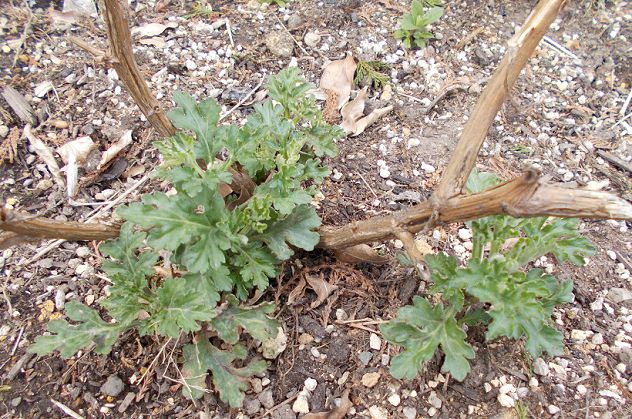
{"type": "Point", "coordinates": [493, 289]}
{"type": "Point", "coordinates": [371, 73]}
{"type": "Point", "coordinates": [200, 10]}
{"type": "Point", "coordinates": [280, 3]}
{"type": "Point", "coordinates": [413, 28]}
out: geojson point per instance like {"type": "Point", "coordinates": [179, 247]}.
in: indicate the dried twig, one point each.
{"type": "Point", "coordinates": [241, 102]}
{"type": "Point", "coordinates": [67, 410]}
{"type": "Point", "coordinates": [520, 48]}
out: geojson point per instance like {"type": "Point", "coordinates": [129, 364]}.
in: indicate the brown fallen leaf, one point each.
{"type": "Point", "coordinates": [115, 148]}
{"type": "Point", "coordinates": [321, 287]}
{"type": "Point", "coordinates": [298, 292]}
{"type": "Point", "coordinates": [336, 413]}
{"type": "Point", "coordinates": [353, 111]}
{"type": "Point", "coordinates": [361, 253]}
{"type": "Point", "coordinates": [338, 77]}
{"type": "Point", "coordinates": [370, 119]}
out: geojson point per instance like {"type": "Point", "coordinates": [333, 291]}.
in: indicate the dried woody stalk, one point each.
{"type": "Point", "coordinates": [525, 196]}
{"type": "Point", "coordinates": [121, 57]}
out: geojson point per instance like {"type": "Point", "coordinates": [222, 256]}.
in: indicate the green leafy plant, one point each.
{"type": "Point", "coordinates": [280, 3]}
{"type": "Point", "coordinates": [492, 289]}
{"type": "Point", "coordinates": [413, 28]}
{"type": "Point", "coordinates": [213, 251]}
{"type": "Point", "coordinates": [200, 9]}
{"type": "Point", "coordinates": [371, 72]}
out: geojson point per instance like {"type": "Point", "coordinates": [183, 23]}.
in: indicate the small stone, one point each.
{"type": "Point", "coordinates": [113, 386]}
{"type": "Point", "coordinates": [386, 358]}
{"type": "Point", "coordinates": [16, 402]}
{"type": "Point", "coordinates": [370, 379]}
{"type": "Point", "coordinates": [625, 356]}
{"type": "Point", "coordinates": [387, 93]}
{"type": "Point", "coordinates": [507, 388]}
{"type": "Point", "coordinates": [266, 399]}
{"type": "Point", "coordinates": [413, 142]}
{"type": "Point", "coordinates": [410, 412]}
{"type": "Point", "coordinates": [305, 339]}
{"type": "Point", "coordinates": [559, 371]}
{"type": "Point", "coordinates": [294, 21]}
{"type": "Point", "coordinates": [4, 131]}
{"type": "Point", "coordinates": [597, 305]}
{"type": "Point", "coordinates": [310, 384]}
{"type": "Point", "coordinates": [265, 381]}
{"type": "Point", "coordinates": [619, 295]}
{"type": "Point", "coordinates": [597, 339]}
{"type": "Point", "coordinates": [579, 335]}
{"type": "Point", "coordinates": [377, 412]}
{"type": "Point", "coordinates": [522, 392]}
{"type": "Point", "coordinates": [82, 251]}
{"type": "Point", "coordinates": [384, 172]}
{"type": "Point", "coordinates": [280, 43]}
{"type": "Point", "coordinates": [60, 299]}
{"type": "Point", "coordinates": [553, 409]}
{"type": "Point", "coordinates": [190, 65]}
{"type": "Point", "coordinates": [312, 39]}
{"type": "Point", "coordinates": [533, 382]}
{"type": "Point", "coordinates": [45, 263]}
{"type": "Point", "coordinates": [432, 411]}
{"type": "Point", "coordinates": [506, 400]}
{"type": "Point", "coordinates": [540, 367]}
{"type": "Point", "coordinates": [612, 255]}
{"type": "Point", "coordinates": [375, 342]}
{"type": "Point", "coordinates": [252, 406]}
{"type": "Point", "coordinates": [581, 389]}
{"type": "Point", "coordinates": [300, 404]}
{"type": "Point", "coordinates": [315, 353]}
{"type": "Point", "coordinates": [394, 399]}
{"type": "Point", "coordinates": [434, 400]}
{"type": "Point", "coordinates": [465, 234]}
{"type": "Point", "coordinates": [365, 357]}
{"type": "Point", "coordinates": [255, 383]}
{"type": "Point", "coordinates": [341, 315]}
{"type": "Point", "coordinates": [427, 168]}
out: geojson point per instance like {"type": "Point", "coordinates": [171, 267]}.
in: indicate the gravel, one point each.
{"type": "Point", "coordinates": [113, 386]}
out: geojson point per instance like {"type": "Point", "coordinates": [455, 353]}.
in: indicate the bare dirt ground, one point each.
{"type": "Point", "coordinates": [561, 114]}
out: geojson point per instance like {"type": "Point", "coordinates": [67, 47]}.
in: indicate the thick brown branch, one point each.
{"type": "Point", "coordinates": [525, 196]}
{"type": "Point", "coordinates": [120, 42]}
{"type": "Point", "coordinates": [43, 228]}
{"type": "Point", "coordinates": [520, 48]}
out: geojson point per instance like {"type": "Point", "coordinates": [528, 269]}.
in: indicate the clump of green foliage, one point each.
{"type": "Point", "coordinates": [371, 72]}
{"type": "Point", "coordinates": [413, 28]}
{"type": "Point", "coordinates": [200, 9]}
{"type": "Point", "coordinates": [493, 289]}
{"type": "Point", "coordinates": [280, 3]}
{"type": "Point", "coordinates": [217, 250]}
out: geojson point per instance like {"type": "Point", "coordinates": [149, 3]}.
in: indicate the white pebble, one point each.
{"type": "Point", "coordinates": [300, 404]}
{"type": "Point", "coordinates": [465, 234]}
{"type": "Point", "coordinates": [612, 255]}
{"type": "Point", "coordinates": [506, 400]}
{"type": "Point", "coordinates": [553, 409]}
{"type": "Point", "coordinates": [394, 399]}
{"type": "Point", "coordinates": [375, 342]}
{"type": "Point", "coordinates": [310, 384]}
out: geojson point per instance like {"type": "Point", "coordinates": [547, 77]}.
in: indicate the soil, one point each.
{"type": "Point", "coordinates": [561, 112]}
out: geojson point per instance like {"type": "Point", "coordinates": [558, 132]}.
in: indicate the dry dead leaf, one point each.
{"type": "Point", "coordinates": [76, 150]}
{"type": "Point", "coordinates": [336, 413]}
{"type": "Point", "coordinates": [367, 121]}
{"type": "Point", "coordinates": [153, 29]}
{"type": "Point", "coordinates": [116, 148]}
{"type": "Point", "coordinates": [321, 287]}
{"type": "Point", "coordinates": [45, 153]}
{"type": "Point", "coordinates": [361, 253]}
{"type": "Point", "coordinates": [298, 292]}
{"type": "Point", "coordinates": [156, 41]}
{"type": "Point", "coordinates": [73, 154]}
{"type": "Point", "coordinates": [353, 120]}
{"type": "Point", "coordinates": [353, 111]}
{"type": "Point", "coordinates": [338, 77]}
